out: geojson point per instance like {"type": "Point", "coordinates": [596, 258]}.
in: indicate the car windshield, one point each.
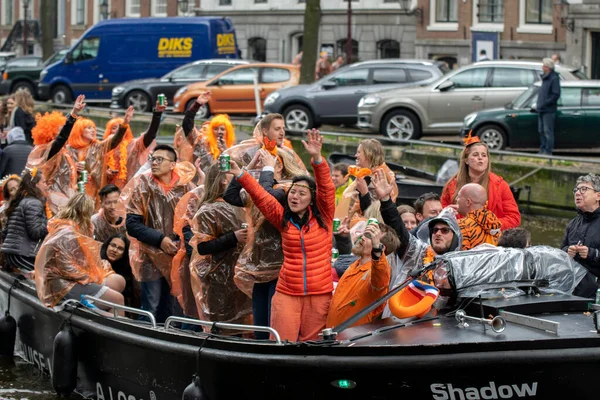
{"type": "Point", "coordinates": [444, 68]}
{"type": "Point", "coordinates": [522, 99]}
{"type": "Point", "coordinates": [579, 75]}
{"type": "Point", "coordinates": [56, 57]}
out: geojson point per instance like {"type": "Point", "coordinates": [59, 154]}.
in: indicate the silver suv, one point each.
{"type": "Point", "coordinates": [441, 106]}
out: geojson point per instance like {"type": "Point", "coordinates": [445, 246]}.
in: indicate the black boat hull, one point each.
{"type": "Point", "coordinates": [123, 361]}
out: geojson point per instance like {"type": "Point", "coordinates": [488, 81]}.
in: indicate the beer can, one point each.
{"type": "Point", "coordinates": [336, 224]}
{"type": "Point", "coordinates": [598, 296]}
{"type": "Point", "coordinates": [335, 253]}
{"type": "Point", "coordinates": [162, 99]}
{"type": "Point", "coordinates": [84, 176]}
{"type": "Point", "coordinates": [225, 162]}
{"type": "Point", "coordinates": [81, 187]}
{"type": "Point", "coordinates": [244, 226]}
{"type": "Point", "coordinates": [372, 221]}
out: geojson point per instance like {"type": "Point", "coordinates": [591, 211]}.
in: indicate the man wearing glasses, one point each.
{"type": "Point", "coordinates": [582, 236]}
{"type": "Point", "coordinates": [150, 217]}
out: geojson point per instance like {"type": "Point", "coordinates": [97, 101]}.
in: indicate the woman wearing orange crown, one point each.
{"type": "Point", "coordinates": [475, 167]}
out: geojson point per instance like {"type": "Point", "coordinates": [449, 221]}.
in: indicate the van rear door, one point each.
{"type": "Point", "coordinates": [85, 72]}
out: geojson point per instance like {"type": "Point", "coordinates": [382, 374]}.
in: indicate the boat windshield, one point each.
{"type": "Point", "coordinates": [523, 99]}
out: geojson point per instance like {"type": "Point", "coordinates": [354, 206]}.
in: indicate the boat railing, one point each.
{"type": "Point", "coordinates": [119, 307]}
{"type": "Point", "coordinates": [224, 325]}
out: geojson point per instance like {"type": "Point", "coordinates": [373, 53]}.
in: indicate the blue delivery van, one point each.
{"type": "Point", "coordinates": [119, 50]}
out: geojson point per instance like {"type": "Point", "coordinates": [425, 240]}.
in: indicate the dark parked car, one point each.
{"type": "Point", "coordinates": [334, 98]}
{"type": "Point", "coordinates": [5, 56]}
{"type": "Point", "coordinates": [141, 93]}
{"type": "Point", "coordinates": [24, 72]}
{"type": "Point", "coordinates": [516, 124]}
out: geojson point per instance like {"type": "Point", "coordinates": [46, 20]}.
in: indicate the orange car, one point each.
{"type": "Point", "coordinates": [232, 91]}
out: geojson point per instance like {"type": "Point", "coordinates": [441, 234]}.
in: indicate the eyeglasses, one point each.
{"type": "Point", "coordinates": [443, 230]}
{"type": "Point", "coordinates": [159, 160]}
{"type": "Point", "coordinates": [583, 189]}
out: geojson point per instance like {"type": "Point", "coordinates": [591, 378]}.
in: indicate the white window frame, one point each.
{"type": "Point", "coordinates": [484, 26]}
{"type": "Point", "coordinates": [154, 6]}
{"type": "Point", "coordinates": [128, 12]}
{"type": "Point", "coordinates": [435, 26]}
{"type": "Point", "coordinates": [97, 10]}
{"type": "Point", "coordinates": [74, 13]}
{"type": "Point", "coordinates": [4, 20]}
{"type": "Point", "coordinates": [542, 29]}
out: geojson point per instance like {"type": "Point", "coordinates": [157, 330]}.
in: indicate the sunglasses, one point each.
{"type": "Point", "coordinates": [443, 230]}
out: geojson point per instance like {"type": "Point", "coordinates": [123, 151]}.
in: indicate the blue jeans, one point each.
{"type": "Point", "coordinates": [262, 293]}
{"type": "Point", "coordinates": [156, 298]}
{"type": "Point", "coordinates": [546, 130]}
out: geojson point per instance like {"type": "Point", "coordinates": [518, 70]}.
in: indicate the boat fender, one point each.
{"type": "Point", "coordinates": [415, 300]}
{"type": "Point", "coordinates": [194, 391]}
{"type": "Point", "coordinates": [64, 360]}
{"type": "Point", "coordinates": [8, 333]}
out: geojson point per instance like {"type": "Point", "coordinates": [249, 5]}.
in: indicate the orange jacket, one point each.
{"type": "Point", "coordinates": [360, 286]}
{"type": "Point", "coordinates": [500, 201]}
{"type": "Point", "coordinates": [306, 268]}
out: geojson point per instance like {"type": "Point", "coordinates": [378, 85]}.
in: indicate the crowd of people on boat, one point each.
{"type": "Point", "coordinates": [221, 231]}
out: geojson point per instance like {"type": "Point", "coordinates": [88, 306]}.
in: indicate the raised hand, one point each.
{"type": "Point", "coordinates": [361, 186]}
{"type": "Point", "coordinates": [79, 105]}
{"type": "Point", "coordinates": [383, 188]}
{"type": "Point", "coordinates": [128, 115]}
{"type": "Point", "coordinates": [372, 232]}
{"type": "Point", "coordinates": [234, 169]}
{"type": "Point", "coordinates": [162, 108]}
{"type": "Point", "coordinates": [254, 161]}
{"type": "Point", "coordinates": [203, 98]}
{"type": "Point", "coordinates": [242, 235]}
{"type": "Point", "coordinates": [314, 144]}
{"type": "Point", "coordinates": [343, 229]}
{"type": "Point", "coordinates": [267, 159]}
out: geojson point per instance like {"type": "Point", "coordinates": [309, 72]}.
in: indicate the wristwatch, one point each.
{"type": "Point", "coordinates": [376, 252]}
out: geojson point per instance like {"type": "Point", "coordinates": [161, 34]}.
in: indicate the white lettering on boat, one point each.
{"type": "Point", "coordinates": [446, 391]}
{"type": "Point", "coordinates": [43, 363]}
{"type": "Point", "coordinates": [100, 394]}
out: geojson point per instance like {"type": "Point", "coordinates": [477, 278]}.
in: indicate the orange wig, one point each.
{"type": "Point", "coordinates": [211, 138]}
{"type": "Point", "coordinates": [47, 127]}
{"type": "Point", "coordinates": [76, 139]}
{"type": "Point", "coordinates": [122, 149]}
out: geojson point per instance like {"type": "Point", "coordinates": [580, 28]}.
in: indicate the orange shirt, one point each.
{"type": "Point", "coordinates": [359, 286]}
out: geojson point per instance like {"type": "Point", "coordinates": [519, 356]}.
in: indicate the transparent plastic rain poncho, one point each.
{"type": "Point", "coordinates": [181, 285]}
{"type": "Point", "coordinates": [67, 257]}
{"type": "Point", "coordinates": [492, 271]}
{"type": "Point", "coordinates": [104, 229]}
{"type": "Point", "coordinates": [217, 296]}
{"type": "Point", "coordinates": [352, 192]}
{"type": "Point", "coordinates": [95, 163]}
{"type": "Point", "coordinates": [60, 173]}
{"type": "Point", "coordinates": [185, 146]}
{"type": "Point", "coordinates": [144, 196]}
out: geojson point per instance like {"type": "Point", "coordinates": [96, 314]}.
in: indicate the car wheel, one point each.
{"type": "Point", "coordinates": [24, 85]}
{"type": "Point", "coordinates": [401, 125]}
{"type": "Point", "coordinates": [61, 95]}
{"type": "Point", "coordinates": [203, 111]}
{"type": "Point", "coordinates": [298, 118]}
{"type": "Point", "coordinates": [493, 136]}
{"type": "Point", "coordinates": [140, 101]}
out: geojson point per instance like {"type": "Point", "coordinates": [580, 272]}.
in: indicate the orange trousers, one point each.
{"type": "Point", "coordinates": [299, 318]}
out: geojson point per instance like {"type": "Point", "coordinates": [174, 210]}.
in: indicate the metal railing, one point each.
{"type": "Point", "coordinates": [223, 325]}
{"type": "Point", "coordinates": [118, 307]}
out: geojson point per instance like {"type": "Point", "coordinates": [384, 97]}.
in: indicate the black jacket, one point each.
{"type": "Point", "coordinates": [585, 228]}
{"type": "Point", "coordinates": [266, 180]}
{"type": "Point", "coordinates": [26, 228]}
{"type": "Point", "coordinates": [549, 93]}
{"type": "Point", "coordinates": [14, 157]}
{"type": "Point", "coordinates": [25, 121]}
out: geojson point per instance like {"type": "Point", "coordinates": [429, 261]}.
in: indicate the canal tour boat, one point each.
{"type": "Point", "coordinates": [532, 342]}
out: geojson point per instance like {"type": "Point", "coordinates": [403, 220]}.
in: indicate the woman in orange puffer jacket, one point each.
{"type": "Point", "coordinates": [300, 305]}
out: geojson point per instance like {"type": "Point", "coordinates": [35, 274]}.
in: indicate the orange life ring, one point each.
{"type": "Point", "coordinates": [415, 300]}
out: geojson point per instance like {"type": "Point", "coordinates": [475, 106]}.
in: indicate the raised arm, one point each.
{"type": "Point", "coordinates": [325, 187]}
{"type": "Point", "coordinates": [149, 136]}
{"type": "Point", "coordinates": [188, 120]}
{"type": "Point", "coordinates": [117, 137]}
{"type": "Point", "coordinates": [59, 142]}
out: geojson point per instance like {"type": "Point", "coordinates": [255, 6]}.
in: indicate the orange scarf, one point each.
{"type": "Point", "coordinates": [429, 256]}
{"type": "Point", "coordinates": [166, 188]}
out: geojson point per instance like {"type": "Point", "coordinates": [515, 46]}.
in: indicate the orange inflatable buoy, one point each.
{"type": "Point", "coordinates": [415, 300]}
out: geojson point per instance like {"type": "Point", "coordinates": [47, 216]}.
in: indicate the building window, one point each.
{"type": "Point", "coordinates": [388, 48]}
{"type": "Point", "coordinates": [446, 11]}
{"type": "Point", "coordinates": [133, 8]}
{"type": "Point", "coordinates": [80, 12]}
{"type": "Point", "coordinates": [8, 13]}
{"type": "Point", "coordinates": [224, 2]}
{"type": "Point", "coordinates": [257, 49]}
{"type": "Point", "coordinates": [538, 12]}
{"type": "Point", "coordinates": [160, 8]}
{"type": "Point", "coordinates": [341, 50]}
{"type": "Point", "coordinates": [491, 11]}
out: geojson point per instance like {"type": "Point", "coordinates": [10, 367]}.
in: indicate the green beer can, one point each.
{"type": "Point", "coordinates": [372, 221]}
{"type": "Point", "coordinates": [225, 162]}
{"type": "Point", "coordinates": [336, 224]}
{"type": "Point", "coordinates": [162, 99]}
{"type": "Point", "coordinates": [335, 253]}
{"type": "Point", "coordinates": [81, 187]}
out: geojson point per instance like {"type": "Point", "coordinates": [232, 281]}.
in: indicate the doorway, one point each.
{"type": "Point", "coordinates": [595, 72]}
